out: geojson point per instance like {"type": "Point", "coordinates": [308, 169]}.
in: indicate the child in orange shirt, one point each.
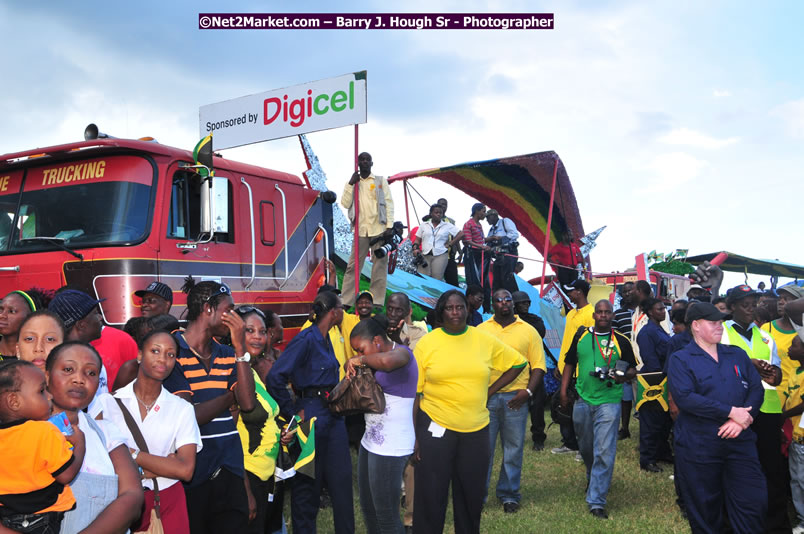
{"type": "Point", "coordinates": [37, 459]}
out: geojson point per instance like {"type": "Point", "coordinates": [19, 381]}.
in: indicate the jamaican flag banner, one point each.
{"type": "Point", "coordinates": [202, 155]}
{"type": "Point", "coordinates": [299, 455]}
{"type": "Point", "coordinates": [651, 387]}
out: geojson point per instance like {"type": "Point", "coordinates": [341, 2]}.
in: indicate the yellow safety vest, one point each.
{"type": "Point", "coordinates": [759, 350]}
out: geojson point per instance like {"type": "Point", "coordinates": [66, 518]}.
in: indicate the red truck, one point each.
{"type": "Point", "coordinates": [110, 215]}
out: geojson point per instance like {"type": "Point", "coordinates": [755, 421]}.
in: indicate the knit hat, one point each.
{"type": "Point", "coordinates": [72, 305]}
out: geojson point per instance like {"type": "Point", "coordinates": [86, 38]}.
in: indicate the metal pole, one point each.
{"type": "Point", "coordinates": [549, 223]}
{"type": "Point", "coordinates": [356, 245]}
{"type": "Point", "coordinates": [407, 212]}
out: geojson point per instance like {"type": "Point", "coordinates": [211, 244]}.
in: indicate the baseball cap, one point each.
{"type": "Point", "coordinates": [72, 305]}
{"type": "Point", "coordinates": [738, 293]}
{"type": "Point", "coordinates": [695, 286]}
{"type": "Point", "coordinates": [365, 293]}
{"type": "Point", "coordinates": [159, 289]}
{"type": "Point", "coordinates": [793, 290]}
{"type": "Point", "coordinates": [492, 212]}
{"type": "Point", "coordinates": [579, 284]}
{"type": "Point", "coordinates": [704, 310]}
{"type": "Point", "coordinates": [520, 296]}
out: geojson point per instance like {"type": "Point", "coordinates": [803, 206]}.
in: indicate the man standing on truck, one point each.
{"type": "Point", "coordinates": [375, 218]}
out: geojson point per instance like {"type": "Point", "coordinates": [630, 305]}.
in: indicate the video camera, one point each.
{"type": "Point", "coordinates": [608, 374]}
{"type": "Point", "coordinates": [391, 239]}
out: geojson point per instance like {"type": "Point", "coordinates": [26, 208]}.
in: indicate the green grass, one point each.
{"type": "Point", "coordinates": [553, 496]}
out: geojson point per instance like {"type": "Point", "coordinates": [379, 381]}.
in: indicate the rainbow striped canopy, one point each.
{"type": "Point", "coordinates": [518, 188]}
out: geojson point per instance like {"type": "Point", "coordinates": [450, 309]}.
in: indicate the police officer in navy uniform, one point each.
{"type": "Point", "coordinates": [309, 363]}
{"type": "Point", "coordinates": [718, 392]}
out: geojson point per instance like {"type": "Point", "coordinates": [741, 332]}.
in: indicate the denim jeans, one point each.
{"type": "Point", "coordinates": [379, 481]}
{"type": "Point", "coordinates": [796, 456]}
{"type": "Point", "coordinates": [510, 424]}
{"type": "Point", "coordinates": [596, 428]}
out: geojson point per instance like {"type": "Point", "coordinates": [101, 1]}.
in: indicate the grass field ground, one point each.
{"type": "Point", "coordinates": [553, 497]}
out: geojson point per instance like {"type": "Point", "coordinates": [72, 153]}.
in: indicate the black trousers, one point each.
{"type": "Point", "coordinates": [503, 271]}
{"type": "Point", "coordinates": [476, 267]}
{"type": "Point", "coordinates": [537, 414]}
{"type": "Point", "coordinates": [218, 505]}
{"type": "Point", "coordinates": [269, 514]}
{"type": "Point", "coordinates": [459, 458]}
{"type": "Point", "coordinates": [654, 434]}
{"type": "Point", "coordinates": [768, 428]}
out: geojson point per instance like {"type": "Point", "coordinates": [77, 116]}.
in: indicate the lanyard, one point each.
{"type": "Point", "coordinates": [608, 351]}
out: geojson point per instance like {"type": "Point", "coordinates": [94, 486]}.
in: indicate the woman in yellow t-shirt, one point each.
{"type": "Point", "coordinates": [452, 439]}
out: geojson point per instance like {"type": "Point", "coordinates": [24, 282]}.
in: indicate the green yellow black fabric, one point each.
{"type": "Point", "coordinates": [202, 154]}
{"type": "Point", "coordinates": [652, 387]}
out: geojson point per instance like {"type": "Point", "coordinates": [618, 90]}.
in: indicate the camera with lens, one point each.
{"type": "Point", "coordinates": [603, 374]}
{"type": "Point", "coordinates": [419, 261]}
{"type": "Point", "coordinates": [390, 240]}
{"type": "Point", "coordinates": [608, 374]}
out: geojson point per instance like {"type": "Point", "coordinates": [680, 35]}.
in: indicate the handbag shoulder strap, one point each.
{"type": "Point", "coordinates": [139, 439]}
{"type": "Point", "coordinates": [132, 426]}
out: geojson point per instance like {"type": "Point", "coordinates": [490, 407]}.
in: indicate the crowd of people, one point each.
{"type": "Point", "coordinates": [192, 425]}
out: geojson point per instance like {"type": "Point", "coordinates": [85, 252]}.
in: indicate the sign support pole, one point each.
{"type": "Point", "coordinates": [356, 245]}
{"type": "Point", "coordinates": [549, 223]}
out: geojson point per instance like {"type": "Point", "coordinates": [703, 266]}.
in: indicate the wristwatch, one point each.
{"type": "Point", "coordinates": [246, 357]}
{"type": "Point", "coordinates": [134, 455]}
{"type": "Point", "coordinates": [530, 393]}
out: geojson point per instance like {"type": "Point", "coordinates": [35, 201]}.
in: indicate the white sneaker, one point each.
{"type": "Point", "coordinates": [799, 529]}
{"type": "Point", "coordinates": [562, 450]}
{"type": "Point", "coordinates": [578, 457]}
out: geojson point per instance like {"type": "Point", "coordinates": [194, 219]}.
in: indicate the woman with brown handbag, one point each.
{"type": "Point", "coordinates": [389, 437]}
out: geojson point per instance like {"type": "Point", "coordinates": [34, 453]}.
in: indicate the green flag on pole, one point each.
{"type": "Point", "coordinates": [202, 155]}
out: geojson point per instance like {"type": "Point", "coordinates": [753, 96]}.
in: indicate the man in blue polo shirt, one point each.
{"type": "Point", "coordinates": [212, 377]}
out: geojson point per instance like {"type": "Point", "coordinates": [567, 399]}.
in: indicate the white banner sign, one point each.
{"type": "Point", "coordinates": [300, 109]}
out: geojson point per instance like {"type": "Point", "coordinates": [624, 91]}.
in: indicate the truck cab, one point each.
{"type": "Point", "coordinates": [108, 216]}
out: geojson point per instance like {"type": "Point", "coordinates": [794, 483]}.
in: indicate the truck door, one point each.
{"type": "Point", "coordinates": [184, 250]}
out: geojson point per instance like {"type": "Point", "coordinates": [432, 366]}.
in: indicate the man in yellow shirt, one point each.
{"type": "Point", "coordinates": [793, 408]}
{"type": "Point", "coordinates": [782, 331]}
{"type": "Point", "coordinates": [508, 408]}
{"type": "Point", "coordinates": [579, 317]}
{"type": "Point", "coordinates": [375, 217]}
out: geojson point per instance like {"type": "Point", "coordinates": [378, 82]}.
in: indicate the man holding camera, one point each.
{"type": "Point", "coordinates": [605, 360]}
{"type": "Point", "coordinates": [375, 221]}
{"type": "Point", "coordinates": [502, 238]}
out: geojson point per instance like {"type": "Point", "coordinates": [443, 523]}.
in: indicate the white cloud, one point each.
{"type": "Point", "coordinates": [692, 138]}
{"type": "Point", "coordinates": [792, 114]}
{"type": "Point", "coordinates": [670, 171]}
{"type": "Point", "coordinates": [720, 93]}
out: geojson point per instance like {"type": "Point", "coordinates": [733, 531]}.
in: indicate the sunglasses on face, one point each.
{"type": "Point", "coordinates": [503, 299]}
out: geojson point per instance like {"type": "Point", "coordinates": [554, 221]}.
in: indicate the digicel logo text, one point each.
{"type": "Point", "coordinates": [295, 111]}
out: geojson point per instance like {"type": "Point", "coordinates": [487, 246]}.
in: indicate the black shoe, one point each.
{"type": "Point", "coordinates": [538, 446]}
{"type": "Point", "coordinates": [510, 507]}
{"type": "Point", "coordinates": [599, 513]}
{"type": "Point", "coordinates": [623, 434]}
{"type": "Point", "coordinates": [667, 460]}
{"type": "Point", "coordinates": [653, 468]}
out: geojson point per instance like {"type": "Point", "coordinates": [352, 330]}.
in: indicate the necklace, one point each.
{"type": "Point", "coordinates": [146, 406]}
{"type": "Point", "coordinates": [197, 355]}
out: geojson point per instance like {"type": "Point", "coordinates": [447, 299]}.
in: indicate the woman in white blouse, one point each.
{"type": "Point", "coordinates": [167, 424]}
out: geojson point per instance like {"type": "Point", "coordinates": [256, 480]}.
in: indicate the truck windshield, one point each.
{"type": "Point", "coordinates": [81, 204]}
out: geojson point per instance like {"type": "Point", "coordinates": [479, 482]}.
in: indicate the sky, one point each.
{"type": "Point", "coordinates": [680, 123]}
